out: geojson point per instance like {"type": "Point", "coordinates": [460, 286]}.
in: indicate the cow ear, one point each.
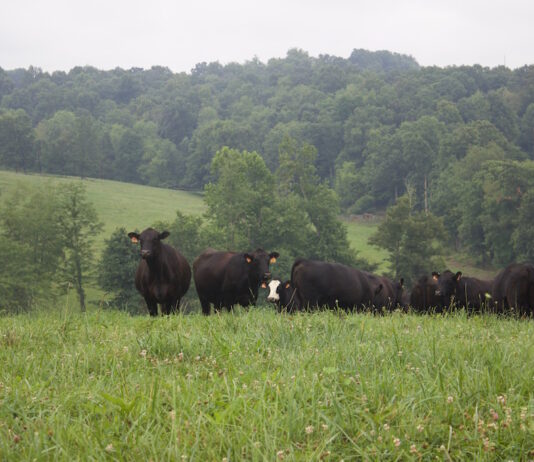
{"type": "Point", "coordinates": [273, 256]}
{"type": "Point", "coordinates": [163, 235]}
{"type": "Point", "coordinates": [134, 237]}
{"type": "Point", "coordinates": [435, 275]}
{"type": "Point", "coordinates": [458, 275]}
{"type": "Point", "coordinates": [249, 258]}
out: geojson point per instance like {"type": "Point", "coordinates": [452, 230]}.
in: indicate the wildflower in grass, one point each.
{"type": "Point", "coordinates": [413, 449]}
{"type": "Point", "coordinates": [324, 427]}
{"type": "Point", "coordinates": [396, 442]}
{"type": "Point", "coordinates": [109, 447]}
{"type": "Point", "coordinates": [280, 455]}
{"type": "Point", "coordinates": [172, 415]}
{"type": "Point", "coordinates": [309, 429]}
{"type": "Point", "coordinates": [450, 399]}
{"type": "Point", "coordinates": [180, 356]}
{"type": "Point", "coordinates": [386, 427]}
{"type": "Point", "coordinates": [143, 353]}
{"type": "Point", "coordinates": [494, 415]}
{"type": "Point", "coordinates": [501, 399]}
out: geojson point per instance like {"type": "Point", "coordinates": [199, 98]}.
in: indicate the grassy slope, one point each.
{"type": "Point", "coordinates": [262, 386]}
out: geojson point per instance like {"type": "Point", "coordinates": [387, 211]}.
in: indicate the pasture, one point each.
{"type": "Point", "coordinates": [257, 385]}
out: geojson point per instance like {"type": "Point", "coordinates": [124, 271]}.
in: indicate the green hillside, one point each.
{"type": "Point", "coordinates": [119, 204]}
{"type": "Point", "coordinates": [136, 206]}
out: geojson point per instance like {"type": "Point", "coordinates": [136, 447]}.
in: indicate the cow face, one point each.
{"type": "Point", "coordinates": [273, 296]}
{"type": "Point", "coordinates": [149, 242]}
{"type": "Point", "coordinates": [447, 285]}
{"type": "Point", "coordinates": [259, 262]}
{"type": "Point", "coordinates": [287, 297]}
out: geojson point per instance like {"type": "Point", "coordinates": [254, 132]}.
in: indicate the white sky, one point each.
{"type": "Point", "coordinates": [61, 34]}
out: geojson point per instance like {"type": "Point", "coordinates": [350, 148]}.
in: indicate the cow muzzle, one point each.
{"type": "Point", "coordinates": [146, 254]}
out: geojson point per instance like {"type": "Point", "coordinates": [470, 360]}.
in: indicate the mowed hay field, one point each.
{"type": "Point", "coordinates": [263, 386]}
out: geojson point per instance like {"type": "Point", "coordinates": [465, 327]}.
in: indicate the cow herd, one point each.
{"type": "Point", "coordinates": [224, 279]}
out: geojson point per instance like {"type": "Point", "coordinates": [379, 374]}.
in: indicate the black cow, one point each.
{"type": "Point", "coordinates": [388, 294]}
{"type": "Point", "coordinates": [227, 278]}
{"type": "Point", "coordinates": [163, 275]}
{"type": "Point", "coordinates": [423, 296]}
{"type": "Point", "coordinates": [331, 285]}
{"type": "Point", "coordinates": [284, 295]}
{"type": "Point", "coordinates": [468, 292]}
{"type": "Point", "coordinates": [513, 288]}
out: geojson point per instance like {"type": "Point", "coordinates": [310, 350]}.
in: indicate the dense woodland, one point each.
{"type": "Point", "coordinates": [458, 141]}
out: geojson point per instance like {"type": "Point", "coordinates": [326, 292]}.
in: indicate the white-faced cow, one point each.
{"type": "Point", "coordinates": [163, 275]}
{"type": "Point", "coordinates": [228, 278]}
{"type": "Point", "coordinates": [284, 295]}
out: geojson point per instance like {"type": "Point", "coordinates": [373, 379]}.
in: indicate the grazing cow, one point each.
{"type": "Point", "coordinates": [284, 295]}
{"type": "Point", "coordinates": [388, 294]}
{"type": "Point", "coordinates": [227, 278]}
{"type": "Point", "coordinates": [513, 288]}
{"type": "Point", "coordinates": [331, 285]}
{"type": "Point", "coordinates": [471, 293]}
{"type": "Point", "coordinates": [163, 274]}
{"type": "Point", "coordinates": [423, 296]}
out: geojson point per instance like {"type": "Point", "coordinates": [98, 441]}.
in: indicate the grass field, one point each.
{"type": "Point", "coordinates": [261, 386]}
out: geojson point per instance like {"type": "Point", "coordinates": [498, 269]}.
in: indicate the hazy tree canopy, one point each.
{"type": "Point", "coordinates": [377, 121]}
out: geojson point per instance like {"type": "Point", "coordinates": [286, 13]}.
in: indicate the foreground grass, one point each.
{"type": "Point", "coordinates": [262, 386]}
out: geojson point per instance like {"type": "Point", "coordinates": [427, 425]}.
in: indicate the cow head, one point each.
{"type": "Point", "coordinates": [283, 294]}
{"type": "Point", "coordinates": [447, 285]}
{"type": "Point", "coordinates": [259, 262]}
{"type": "Point", "coordinates": [149, 242]}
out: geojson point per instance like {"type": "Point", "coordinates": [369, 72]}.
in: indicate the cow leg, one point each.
{"type": "Point", "coordinates": [166, 308]}
{"type": "Point", "coordinates": [175, 306]}
{"type": "Point", "coordinates": [206, 307]}
{"type": "Point", "coordinates": [152, 306]}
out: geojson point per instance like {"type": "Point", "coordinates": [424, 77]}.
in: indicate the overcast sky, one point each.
{"type": "Point", "coordinates": [61, 34]}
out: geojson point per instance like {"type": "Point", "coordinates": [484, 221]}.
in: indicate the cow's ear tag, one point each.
{"type": "Point", "coordinates": [249, 260]}
{"type": "Point", "coordinates": [272, 260]}
{"type": "Point", "coordinates": [435, 277]}
{"type": "Point", "coordinates": [287, 285]}
{"type": "Point", "coordinates": [134, 239]}
{"type": "Point", "coordinates": [263, 285]}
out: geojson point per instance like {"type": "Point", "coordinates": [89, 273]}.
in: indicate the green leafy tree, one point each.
{"type": "Point", "coordinates": [116, 271]}
{"type": "Point", "coordinates": [79, 225]}
{"type": "Point", "coordinates": [32, 245]}
{"type": "Point", "coordinates": [16, 141]}
{"type": "Point", "coordinates": [412, 240]}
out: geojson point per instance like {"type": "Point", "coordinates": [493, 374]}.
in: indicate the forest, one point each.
{"type": "Point", "coordinates": [458, 142]}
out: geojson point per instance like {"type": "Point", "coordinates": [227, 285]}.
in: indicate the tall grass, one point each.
{"type": "Point", "coordinates": [261, 386]}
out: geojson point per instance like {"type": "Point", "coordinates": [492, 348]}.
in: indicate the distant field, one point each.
{"type": "Point", "coordinates": [120, 204]}
{"type": "Point", "coordinates": [259, 386]}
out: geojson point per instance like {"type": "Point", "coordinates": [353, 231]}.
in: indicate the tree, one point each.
{"type": "Point", "coordinates": [236, 200]}
{"type": "Point", "coordinates": [116, 270]}
{"type": "Point", "coordinates": [31, 245]}
{"type": "Point", "coordinates": [16, 141]}
{"type": "Point", "coordinates": [79, 225]}
{"type": "Point", "coordinates": [412, 240]}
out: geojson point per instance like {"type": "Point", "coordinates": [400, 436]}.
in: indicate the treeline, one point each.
{"type": "Point", "coordinates": [382, 125]}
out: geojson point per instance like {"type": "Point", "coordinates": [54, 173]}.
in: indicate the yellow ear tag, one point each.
{"type": "Point", "coordinates": [134, 239]}
{"type": "Point", "coordinates": [263, 285]}
{"type": "Point", "coordinates": [249, 260]}
{"type": "Point", "coordinates": [434, 277]}
{"type": "Point", "coordinates": [287, 285]}
{"type": "Point", "coordinates": [272, 260]}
